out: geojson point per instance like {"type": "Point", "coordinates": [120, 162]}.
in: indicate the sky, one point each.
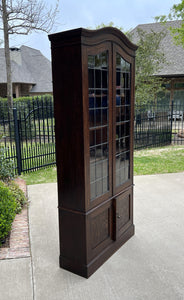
{"type": "Point", "coordinates": [90, 13]}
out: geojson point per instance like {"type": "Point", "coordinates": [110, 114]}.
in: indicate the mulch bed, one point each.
{"type": "Point", "coordinates": [6, 242]}
{"type": "Point", "coordinates": [17, 244]}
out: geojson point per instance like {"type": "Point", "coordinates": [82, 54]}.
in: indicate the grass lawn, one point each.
{"type": "Point", "coordinates": [43, 175]}
{"type": "Point", "coordinates": [168, 159]}
{"type": "Point", "coordinates": [159, 160]}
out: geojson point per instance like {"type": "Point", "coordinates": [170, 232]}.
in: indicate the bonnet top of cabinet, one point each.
{"type": "Point", "coordinates": [91, 38]}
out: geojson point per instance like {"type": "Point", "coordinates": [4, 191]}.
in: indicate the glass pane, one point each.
{"type": "Point", "coordinates": [91, 62]}
{"type": "Point", "coordinates": [91, 78]}
{"type": "Point", "coordinates": [92, 139]}
{"type": "Point", "coordinates": [104, 79]}
{"type": "Point", "coordinates": [122, 120]}
{"type": "Point", "coordinates": [98, 81]}
{"type": "Point", "coordinates": [122, 80]}
{"type": "Point", "coordinates": [127, 96]}
{"type": "Point", "coordinates": [99, 123]}
{"type": "Point", "coordinates": [118, 61]}
{"type": "Point", "coordinates": [97, 59]}
{"type": "Point", "coordinates": [92, 119]}
{"type": "Point", "coordinates": [127, 67]}
{"type": "Point", "coordinates": [127, 113]}
{"type": "Point", "coordinates": [123, 64]}
{"type": "Point", "coordinates": [179, 97]}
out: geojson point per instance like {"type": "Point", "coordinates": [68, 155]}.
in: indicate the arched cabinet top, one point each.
{"type": "Point", "coordinates": [86, 37]}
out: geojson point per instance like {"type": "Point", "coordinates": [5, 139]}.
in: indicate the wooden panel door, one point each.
{"type": "Point", "coordinates": [124, 212]}
{"type": "Point", "coordinates": [100, 229]}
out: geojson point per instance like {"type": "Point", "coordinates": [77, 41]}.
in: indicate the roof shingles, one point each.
{"type": "Point", "coordinates": [174, 54]}
{"type": "Point", "coordinates": [28, 66]}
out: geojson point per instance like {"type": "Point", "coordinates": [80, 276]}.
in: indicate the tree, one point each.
{"type": "Point", "coordinates": [23, 17]}
{"type": "Point", "coordinates": [149, 59]}
{"type": "Point", "coordinates": [110, 24]}
{"type": "Point", "coordinates": [176, 13]}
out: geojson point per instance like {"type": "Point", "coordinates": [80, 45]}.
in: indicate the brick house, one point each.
{"type": "Point", "coordinates": [31, 72]}
{"type": "Point", "coordinates": [173, 69]}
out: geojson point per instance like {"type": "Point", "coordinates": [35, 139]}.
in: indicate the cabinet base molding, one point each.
{"type": "Point", "coordinates": [88, 269]}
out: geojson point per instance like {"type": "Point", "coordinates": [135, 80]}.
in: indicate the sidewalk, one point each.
{"type": "Point", "coordinates": [149, 266]}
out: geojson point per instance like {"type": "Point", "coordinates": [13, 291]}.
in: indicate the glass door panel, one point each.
{"type": "Point", "coordinates": [123, 113]}
{"type": "Point", "coordinates": [98, 76]}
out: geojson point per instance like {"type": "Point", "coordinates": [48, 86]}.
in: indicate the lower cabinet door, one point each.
{"type": "Point", "coordinates": [99, 229]}
{"type": "Point", "coordinates": [124, 212]}
{"type": "Point", "coordinates": [107, 223]}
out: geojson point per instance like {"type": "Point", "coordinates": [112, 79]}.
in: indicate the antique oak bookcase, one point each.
{"type": "Point", "coordinates": [93, 87]}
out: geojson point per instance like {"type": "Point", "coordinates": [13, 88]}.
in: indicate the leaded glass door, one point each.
{"type": "Point", "coordinates": [110, 139]}
{"type": "Point", "coordinates": [122, 120]}
{"type": "Point", "coordinates": [99, 95]}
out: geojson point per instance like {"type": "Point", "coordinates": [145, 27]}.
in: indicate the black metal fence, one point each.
{"type": "Point", "coordinates": [152, 126]}
{"type": "Point", "coordinates": [158, 125]}
{"type": "Point", "coordinates": [177, 120]}
{"type": "Point", "coordinates": [28, 133]}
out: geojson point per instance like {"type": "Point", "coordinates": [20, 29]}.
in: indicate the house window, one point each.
{"type": "Point", "coordinates": [167, 85]}
{"type": "Point", "coordinates": [163, 98]}
{"type": "Point", "coordinates": [179, 85]}
{"type": "Point", "coordinates": [179, 97]}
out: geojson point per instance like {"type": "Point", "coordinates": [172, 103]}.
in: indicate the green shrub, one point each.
{"type": "Point", "coordinates": [7, 210]}
{"type": "Point", "coordinates": [19, 196]}
{"type": "Point", "coordinates": [26, 104]}
{"type": "Point", "coordinates": [6, 166]}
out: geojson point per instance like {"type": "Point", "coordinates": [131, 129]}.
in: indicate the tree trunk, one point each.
{"type": "Point", "coordinates": [7, 55]}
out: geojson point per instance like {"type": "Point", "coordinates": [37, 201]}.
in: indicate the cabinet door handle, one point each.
{"type": "Point", "coordinates": [118, 216]}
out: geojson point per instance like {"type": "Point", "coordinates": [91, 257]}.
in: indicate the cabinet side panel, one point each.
{"type": "Point", "coordinates": [72, 239]}
{"type": "Point", "coordinates": [68, 108]}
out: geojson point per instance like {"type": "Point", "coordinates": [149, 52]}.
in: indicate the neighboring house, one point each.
{"type": "Point", "coordinates": [173, 69]}
{"type": "Point", "coordinates": [31, 72]}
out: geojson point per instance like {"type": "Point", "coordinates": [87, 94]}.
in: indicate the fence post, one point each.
{"type": "Point", "coordinates": [17, 142]}
{"type": "Point", "coordinates": [172, 104]}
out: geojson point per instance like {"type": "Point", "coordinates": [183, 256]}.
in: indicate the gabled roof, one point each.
{"type": "Point", "coordinates": [174, 54]}
{"type": "Point", "coordinates": [28, 66]}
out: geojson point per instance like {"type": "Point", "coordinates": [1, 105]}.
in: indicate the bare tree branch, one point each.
{"type": "Point", "coordinates": [23, 17]}
{"type": "Point", "coordinates": [34, 14]}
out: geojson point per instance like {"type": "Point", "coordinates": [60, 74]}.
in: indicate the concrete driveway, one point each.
{"type": "Point", "coordinates": [149, 266]}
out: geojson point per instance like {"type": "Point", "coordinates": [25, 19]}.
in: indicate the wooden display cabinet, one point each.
{"type": "Point", "coordinates": [93, 86]}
